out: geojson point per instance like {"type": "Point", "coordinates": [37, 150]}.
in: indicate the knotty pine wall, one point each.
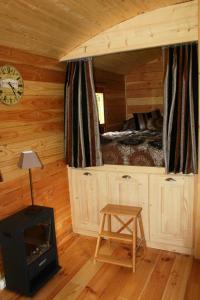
{"type": "Point", "coordinates": [144, 87]}
{"type": "Point", "coordinates": [113, 87]}
{"type": "Point", "coordinates": [35, 123]}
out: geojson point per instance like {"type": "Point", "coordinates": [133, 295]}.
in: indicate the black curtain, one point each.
{"type": "Point", "coordinates": [82, 139]}
{"type": "Point", "coordinates": [180, 131]}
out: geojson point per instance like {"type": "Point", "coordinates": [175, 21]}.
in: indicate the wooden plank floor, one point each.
{"type": "Point", "coordinates": [159, 275]}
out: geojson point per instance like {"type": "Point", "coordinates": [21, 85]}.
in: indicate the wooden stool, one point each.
{"type": "Point", "coordinates": [116, 211]}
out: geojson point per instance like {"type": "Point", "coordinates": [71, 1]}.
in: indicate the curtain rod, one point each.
{"type": "Point", "coordinates": [167, 46]}
{"type": "Point", "coordinates": [80, 59]}
{"type": "Point", "coordinates": [180, 44]}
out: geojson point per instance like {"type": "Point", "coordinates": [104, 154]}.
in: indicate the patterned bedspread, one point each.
{"type": "Point", "coordinates": [131, 147]}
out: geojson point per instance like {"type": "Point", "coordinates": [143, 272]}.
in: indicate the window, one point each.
{"type": "Point", "coordinates": [100, 106]}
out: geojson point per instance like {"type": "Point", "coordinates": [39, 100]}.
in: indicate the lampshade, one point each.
{"type": "Point", "coordinates": [29, 160]}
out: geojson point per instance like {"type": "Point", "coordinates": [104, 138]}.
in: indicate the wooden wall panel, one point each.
{"type": "Point", "coordinates": [113, 87]}
{"type": "Point", "coordinates": [124, 62]}
{"type": "Point", "coordinates": [34, 73]}
{"type": "Point", "coordinates": [144, 87]}
{"type": "Point", "coordinates": [35, 123]}
{"type": "Point", "coordinates": [17, 56]}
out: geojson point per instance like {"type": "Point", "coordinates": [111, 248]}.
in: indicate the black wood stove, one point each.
{"type": "Point", "coordinates": [29, 249]}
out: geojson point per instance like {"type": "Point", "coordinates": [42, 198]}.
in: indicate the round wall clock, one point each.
{"type": "Point", "coordinates": [11, 85]}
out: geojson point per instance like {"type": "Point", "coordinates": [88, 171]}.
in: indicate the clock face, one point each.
{"type": "Point", "coordinates": [11, 85]}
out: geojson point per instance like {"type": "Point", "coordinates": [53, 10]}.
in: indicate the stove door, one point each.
{"type": "Point", "coordinates": [37, 240]}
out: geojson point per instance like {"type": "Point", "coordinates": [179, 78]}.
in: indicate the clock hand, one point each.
{"type": "Point", "coordinates": [12, 89]}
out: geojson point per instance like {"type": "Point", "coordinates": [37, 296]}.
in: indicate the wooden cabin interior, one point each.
{"type": "Point", "coordinates": [124, 41]}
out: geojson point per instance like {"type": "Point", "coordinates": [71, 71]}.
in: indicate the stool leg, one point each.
{"type": "Point", "coordinates": [99, 235]}
{"type": "Point", "coordinates": [142, 231]}
{"type": "Point", "coordinates": [109, 226]}
{"type": "Point", "coordinates": [134, 243]}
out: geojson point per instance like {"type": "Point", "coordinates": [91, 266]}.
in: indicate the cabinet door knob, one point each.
{"type": "Point", "coordinates": [126, 176]}
{"type": "Point", "coordinates": [170, 179]}
{"type": "Point", "coordinates": [87, 174]}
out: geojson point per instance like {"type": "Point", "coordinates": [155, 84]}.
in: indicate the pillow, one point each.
{"type": "Point", "coordinates": [141, 119]}
{"type": "Point", "coordinates": [129, 124]}
{"type": "Point", "coordinates": [155, 124]}
{"type": "Point", "coordinates": [155, 114]}
{"type": "Point", "coordinates": [156, 120]}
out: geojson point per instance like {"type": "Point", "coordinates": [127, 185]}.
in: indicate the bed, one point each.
{"type": "Point", "coordinates": [139, 145]}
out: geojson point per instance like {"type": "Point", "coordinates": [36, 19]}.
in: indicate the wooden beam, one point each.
{"type": "Point", "coordinates": [164, 26]}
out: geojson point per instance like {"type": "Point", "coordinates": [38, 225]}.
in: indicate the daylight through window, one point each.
{"type": "Point", "coordinates": [100, 105]}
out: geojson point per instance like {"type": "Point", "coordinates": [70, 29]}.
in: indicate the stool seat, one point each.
{"type": "Point", "coordinates": [134, 214]}
{"type": "Point", "coordinates": [123, 210]}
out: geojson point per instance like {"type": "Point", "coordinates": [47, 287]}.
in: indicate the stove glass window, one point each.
{"type": "Point", "coordinates": [37, 240]}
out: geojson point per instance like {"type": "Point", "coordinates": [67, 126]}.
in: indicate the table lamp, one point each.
{"type": "Point", "coordinates": [29, 160]}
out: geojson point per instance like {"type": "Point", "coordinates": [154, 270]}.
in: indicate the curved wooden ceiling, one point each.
{"type": "Point", "coordinates": [55, 27]}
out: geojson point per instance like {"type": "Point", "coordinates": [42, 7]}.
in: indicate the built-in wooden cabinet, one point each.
{"type": "Point", "coordinates": [89, 195]}
{"type": "Point", "coordinates": [166, 201]}
{"type": "Point", "coordinates": [128, 188]}
{"type": "Point", "coordinates": [171, 210]}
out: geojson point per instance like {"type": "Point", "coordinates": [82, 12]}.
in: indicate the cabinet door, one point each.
{"type": "Point", "coordinates": [130, 189]}
{"type": "Point", "coordinates": [171, 209]}
{"type": "Point", "coordinates": [88, 197]}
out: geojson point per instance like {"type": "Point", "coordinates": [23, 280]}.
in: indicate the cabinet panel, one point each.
{"type": "Point", "coordinates": [130, 189]}
{"type": "Point", "coordinates": [166, 201]}
{"type": "Point", "coordinates": [89, 196]}
{"type": "Point", "coordinates": [171, 209]}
